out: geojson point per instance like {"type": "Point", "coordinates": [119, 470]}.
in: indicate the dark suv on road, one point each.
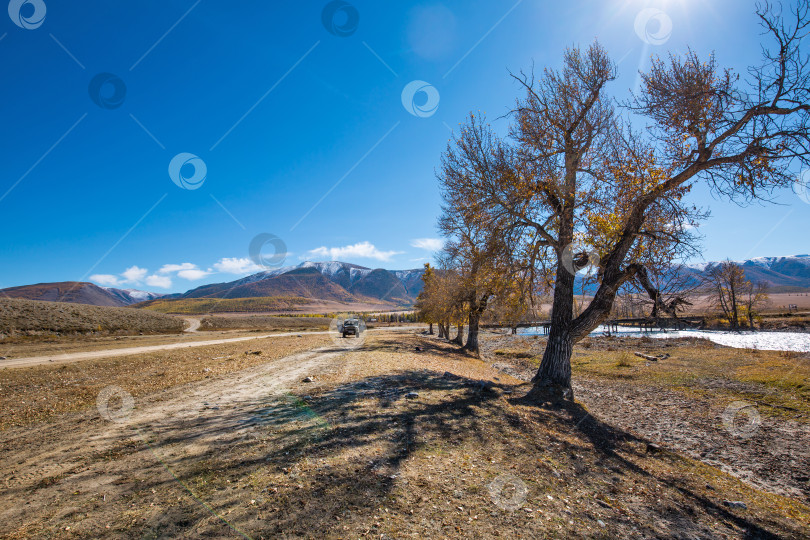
{"type": "Point", "coordinates": [351, 327]}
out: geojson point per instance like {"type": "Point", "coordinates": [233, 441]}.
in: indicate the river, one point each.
{"type": "Point", "coordinates": [766, 341]}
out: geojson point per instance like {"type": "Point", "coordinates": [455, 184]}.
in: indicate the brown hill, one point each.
{"type": "Point", "coordinates": [74, 292]}
{"type": "Point", "coordinates": [20, 316]}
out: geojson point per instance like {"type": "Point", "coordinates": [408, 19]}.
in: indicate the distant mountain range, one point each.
{"type": "Point", "coordinates": [778, 272]}
{"type": "Point", "coordinates": [335, 281]}
{"type": "Point", "coordinates": [348, 283]}
{"type": "Point", "coordinates": [77, 292]}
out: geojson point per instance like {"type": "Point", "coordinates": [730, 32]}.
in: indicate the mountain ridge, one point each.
{"type": "Point", "coordinates": [348, 282]}
{"type": "Point", "coordinates": [331, 280]}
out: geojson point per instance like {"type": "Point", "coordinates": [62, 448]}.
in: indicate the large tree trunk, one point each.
{"type": "Point", "coordinates": [430, 330]}
{"type": "Point", "coordinates": [477, 308]}
{"type": "Point", "coordinates": [735, 318]}
{"type": "Point", "coordinates": [555, 368]}
{"type": "Point", "coordinates": [472, 332]}
{"type": "Point", "coordinates": [459, 339]}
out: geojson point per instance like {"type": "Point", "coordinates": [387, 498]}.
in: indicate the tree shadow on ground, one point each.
{"type": "Point", "coordinates": [613, 444]}
{"type": "Point", "coordinates": [312, 465]}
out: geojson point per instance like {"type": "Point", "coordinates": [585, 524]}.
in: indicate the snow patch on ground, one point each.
{"type": "Point", "coordinates": [766, 341]}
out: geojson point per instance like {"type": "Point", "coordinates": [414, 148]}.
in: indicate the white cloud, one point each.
{"type": "Point", "coordinates": [168, 268]}
{"type": "Point", "coordinates": [362, 250]}
{"type": "Point", "coordinates": [108, 280]}
{"type": "Point", "coordinates": [234, 265]}
{"type": "Point", "coordinates": [163, 282]}
{"type": "Point", "coordinates": [133, 274]}
{"type": "Point", "coordinates": [430, 244]}
{"type": "Point", "coordinates": [193, 274]}
{"type": "Point", "coordinates": [188, 271]}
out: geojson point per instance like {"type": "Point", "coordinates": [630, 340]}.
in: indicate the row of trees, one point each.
{"type": "Point", "coordinates": [582, 180]}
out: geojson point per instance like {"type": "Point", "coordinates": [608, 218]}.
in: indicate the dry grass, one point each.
{"type": "Point", "coordinates": [773, 377]}
{"type": "Point", "coordinates": [265, 322]}
{"type": "Point", "coordinates": [20, 318]}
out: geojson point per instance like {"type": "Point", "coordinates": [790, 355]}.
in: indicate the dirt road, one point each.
{"type": "Point", "coordinates": [95, 461]}
{"type": "Point", "coordinates": [109, 353]}
{"type": "Point", "coordinates": [127, 351]}
{"type": "Point", "coordinates": [193, 324]}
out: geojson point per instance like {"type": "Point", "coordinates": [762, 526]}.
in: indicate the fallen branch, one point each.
{"type": "Point", "coordinates": [650, 357]}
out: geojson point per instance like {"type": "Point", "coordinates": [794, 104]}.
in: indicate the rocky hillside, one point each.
{"type": "Point", "coordinates": [79, 292]}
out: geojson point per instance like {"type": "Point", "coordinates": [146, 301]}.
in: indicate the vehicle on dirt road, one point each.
{"type": "Point", "coordinates": [351, 327]}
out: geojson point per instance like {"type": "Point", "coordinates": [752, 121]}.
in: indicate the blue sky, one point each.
{"type": "Point", "coordinates": [302, 131]}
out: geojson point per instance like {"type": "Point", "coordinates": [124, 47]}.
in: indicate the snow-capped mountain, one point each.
{"type": "Point", "coordinates": [793, 271]}
{"type": "Point", "coordinates": [132, 296]}
{"type": "Point", "coordinates": [331, 280]}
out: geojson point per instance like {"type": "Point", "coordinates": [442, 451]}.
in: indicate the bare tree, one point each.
{"type": "Point", "coordinates": [754, 298]}
{"type": "Point", "coordinates": [727, 282]}
{"type": "Point", "coordinates": [580, 188]}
